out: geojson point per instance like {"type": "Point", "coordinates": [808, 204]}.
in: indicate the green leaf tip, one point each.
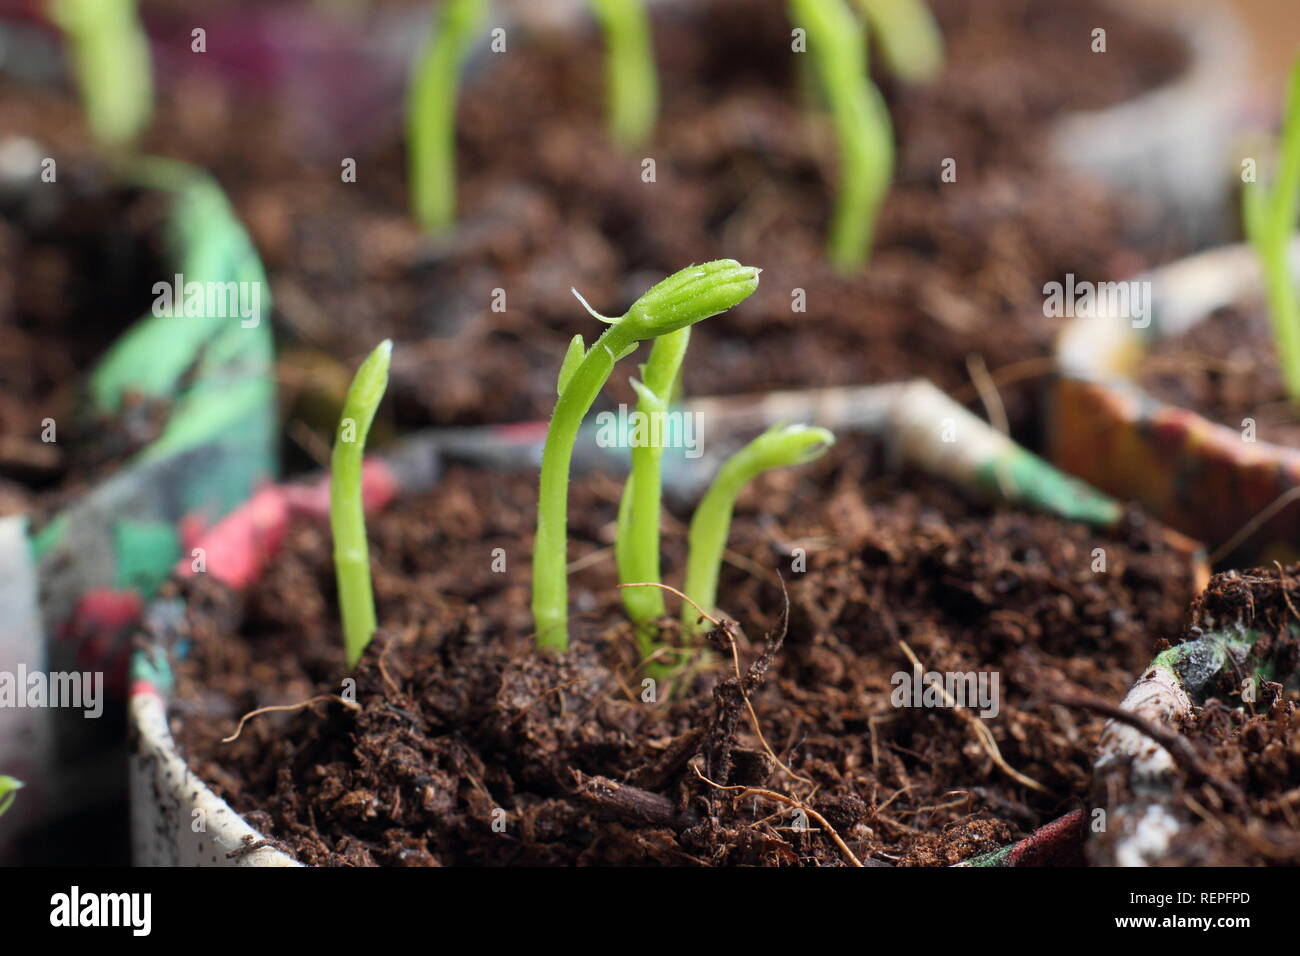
{"type": "Point", "coordinates": [691, 295]}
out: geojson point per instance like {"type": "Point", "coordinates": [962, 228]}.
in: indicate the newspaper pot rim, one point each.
{"type": "Point", "coordinates": [1194, 474]}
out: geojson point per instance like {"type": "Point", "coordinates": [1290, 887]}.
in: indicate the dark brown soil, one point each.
{"type": "Point", "coordinates": [460, 717]}
{"type": "Point", "coordinates": [1226, 369]}
{"type": "Point", "coordinates": [77, 264]}
{"type": "Point", "coordinates": [742, 172]}
{"type": "Point", "coordinates": [1249, 812]}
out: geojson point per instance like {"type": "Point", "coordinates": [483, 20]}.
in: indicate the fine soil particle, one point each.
{"type": "Point", "coordinates": [78, 266]}
{"type": "Point", "coordinates": [1226, 368]}
{"type": "Point", "coordinates": [1248, 812]}
{"type": "Point", "coordinates": [462, 724]}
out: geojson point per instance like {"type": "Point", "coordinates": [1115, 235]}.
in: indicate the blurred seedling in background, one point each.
{"type": "Point", "coordinates": [631, 82]}
{"type": "Point", "coordinates": [907, 38]}
{"type": "Point", "coordinates": [863, 130]}
{"type": "Point", "coordinates": [109, 53]}
{"type": "Point", "coordinates": [347, 504]}
{"type": "Point", "coordinates": [1269, 218]}
{"type": "Point", "coordinates": [431, 112]}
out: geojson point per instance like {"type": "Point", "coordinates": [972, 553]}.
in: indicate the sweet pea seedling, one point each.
{"type": "Point", "coordinates": [431, 113]}
{"type": "Point", "coordinates": [347, 508]}
{"type": "Point", "coordinates": [862, 126]}
{"type": "Point", "coordinates": [676, 303]}
{"type": "Point", "coordinates": [907, 37]}
{"type": "Point", "coordinates": [110, 57]}
{"type": "Point", "coordinates": [637, 544]}
{"type": "Point", "coordinates": [779, 446]}
{"type": "Point", "coordinates": [1269, 216]}
{"type": "Point", "coordinates": [631, 84]}
{"type": "Point", "coordinates": [9, 788]}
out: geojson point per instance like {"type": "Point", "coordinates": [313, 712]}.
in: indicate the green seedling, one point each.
{"type": "Point", "coordinates": [862, 125]}
{"type": "Point", "coordinates": [631, 84]}
{"type": "Point", "coordinates": [110, 57]}
{"type": "Point", "coordinates": [347, 510]}
{"type": "Point", "coordinates": [431, 112]}
{"type": "Point", "coordinates": [1269, 217]}
{"type": "Point", "coordinates": [637, 543]}
{"type": "Point", "coordinates": [778, 447]}
{"type": "Point", "coordinates": [9, 788]}
{"type": "Point", "coordinates": [907, 37]}
{"type": "Point", "coordinates": [676, 303]}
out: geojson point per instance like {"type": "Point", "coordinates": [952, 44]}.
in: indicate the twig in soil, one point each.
{"type": "Point", "coordinates": [278, 708]}
{"type": "Point", "coordinates": [985, 735]}
{"type": "Point", "coordinates": [988, 393]}
{"type": "Point", "coordinates": [1267, 514]}
{"type": "Point", "coordinates": [753, 717]}
{"type": "Point", "coordinates": [996, 411]}
{"type": "Point", "coordinates": [632, 803]}
{"type": "Point", "coordinates": [1008, 375]}
{"type": "Point", "coordinates": [789, 802]}
{"type": "Point", "coordinates": [1179, 747]}
{"type": "Point", "coordinates": [672, 590]}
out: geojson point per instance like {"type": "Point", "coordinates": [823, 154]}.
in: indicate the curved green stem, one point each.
{"type": "Point", "coordinates": [777, 447]}
{"type": "Point", "coordinates": [347, 507]}
{"type": "Point", "coordinates": [684, 298]}
{"type": "Point", "coordinates": [862, 126]}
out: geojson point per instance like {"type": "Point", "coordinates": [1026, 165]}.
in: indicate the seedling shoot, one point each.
{"type": "Point", "coordinates": [1269, 217]}
{"type": "Point", "coordinates": [347, 511]}
{"type": "Point", "coordinates": [676, 303]}
{"type": "Point", "coordinates": [862, 126]}
{"type": "Point", "coordinates": [907, 37]}
{"type": "Point", "coordinates": [110, 57]}
{"type": "Point", "coordinates": [777, 447]}
{"type": "Point", "coordinates": [431, 112]}
{"type": "Point", "coordinates": [9, 788]}
{"type": "Point", "coordinates": [631, 84]}
{"type": "Point", "coordinates": [637, 544]}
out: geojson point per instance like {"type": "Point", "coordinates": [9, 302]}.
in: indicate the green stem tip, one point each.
{"type": "Point", "coordinates": [778, 447]}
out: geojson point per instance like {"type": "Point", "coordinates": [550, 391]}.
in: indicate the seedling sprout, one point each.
{"type": "Point", "coordinates": [347, 511]}
{"type": "Point", "coordinates": [431, 112]}
{"type": "Point", "coordinates": [110, 57]}
{"type": "Point", "coordinates": [907, 37]}
{"type": "Point", "coordinates": [631, 85]}
{"type": "Point", "coordinates": [862, 125]}
{"type": "Point", "coordinates": [1269, 217]}
{"type": "Point", "coordinates": [637, 543]}
{"type": "Point", "coordinates": [9, 788]}
{"type": "Point", "coordinates": [778, 447]}
{"type": "Point", "coordinates": [676, 303]}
